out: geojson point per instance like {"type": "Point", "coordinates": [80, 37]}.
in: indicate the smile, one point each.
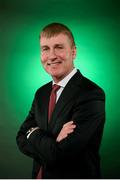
{"type": "Point", "coordinates": [54, 63]}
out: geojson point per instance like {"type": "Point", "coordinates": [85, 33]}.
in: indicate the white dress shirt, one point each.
{"type": "Point", "coordinates": [64, 82]}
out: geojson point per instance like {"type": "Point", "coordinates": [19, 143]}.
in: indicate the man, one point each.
{"type": "Point", "coordinates": [64, 142]}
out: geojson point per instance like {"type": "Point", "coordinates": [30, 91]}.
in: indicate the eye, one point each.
{"type": "Point", "coordinates": [59, 47]}
{"type": "Point", "coordinates": [43, 49]}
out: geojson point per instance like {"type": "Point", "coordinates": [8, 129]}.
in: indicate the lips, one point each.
{"type": "Point", "coordinates": [54, 63]}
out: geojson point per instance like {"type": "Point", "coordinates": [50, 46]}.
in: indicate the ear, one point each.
{"type": "Point", "coordinates": [74, 52]}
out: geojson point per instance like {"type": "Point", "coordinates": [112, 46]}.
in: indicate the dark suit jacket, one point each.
{"type": "Point", "coordinates": [77, 156]}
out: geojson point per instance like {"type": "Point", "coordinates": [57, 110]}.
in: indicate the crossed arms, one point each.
{"type": "Point", "coordinates": [86, 126]}
{"type": "Point", "coordinates": [65, 131]}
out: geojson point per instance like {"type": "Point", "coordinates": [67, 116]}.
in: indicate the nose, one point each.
{"type": "Point", "coordinates": [52, 54]}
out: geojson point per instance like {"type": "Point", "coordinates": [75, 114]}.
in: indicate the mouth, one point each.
{"type": "Point", "coordinates": [54, 63]}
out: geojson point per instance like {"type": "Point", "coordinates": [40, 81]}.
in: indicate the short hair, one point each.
{"type": "Point", "coordinates": [54, 29]}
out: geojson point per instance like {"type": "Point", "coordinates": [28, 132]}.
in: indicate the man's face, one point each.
{"type": "Point", "coordinates": [57, 56]}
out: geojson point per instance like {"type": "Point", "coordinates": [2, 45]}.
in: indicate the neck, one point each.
{"type": "Point", "coordinates": [60, 78]}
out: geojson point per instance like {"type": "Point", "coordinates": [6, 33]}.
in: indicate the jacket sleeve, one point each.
{"type": "Point", "coordinates": [89, 117]}
{"type": "Point", "coordinates": [21, 139]}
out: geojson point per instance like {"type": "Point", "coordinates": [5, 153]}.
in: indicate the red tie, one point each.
{"type": "Point", "coordinates": [52, 100]}
{"type": "Point", "coordinates": [39, 176]}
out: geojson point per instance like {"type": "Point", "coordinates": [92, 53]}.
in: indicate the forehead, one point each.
{"type": "Point", "coordinates": [58, 39]}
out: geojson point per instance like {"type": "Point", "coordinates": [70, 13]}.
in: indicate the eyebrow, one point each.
{"type": "Point", "coordinates": [60, 44]}
{"type": "Point", "coordinates": [44, 46]}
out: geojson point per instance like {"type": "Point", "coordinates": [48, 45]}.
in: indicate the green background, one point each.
{"type": "Point", "coordinates": [96, 27]}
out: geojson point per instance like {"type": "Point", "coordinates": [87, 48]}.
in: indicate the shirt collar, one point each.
{"type": "Point", "coordinates": [64, 81]}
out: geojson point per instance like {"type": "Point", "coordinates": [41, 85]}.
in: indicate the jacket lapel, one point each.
{"type": "Point", "coordinates": [43, 102]}
{"type": "Point", "coordinates": [68, 94]}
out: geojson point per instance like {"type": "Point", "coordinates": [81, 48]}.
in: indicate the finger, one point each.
{"type": "Point", "coordinates": [68, 123]}
{"type": "Point", "coordinates": [70, 131]}
{"type": "Point", "coordinates": [67, 130]}
{"type": "Point", "coordinates": [72, 126]}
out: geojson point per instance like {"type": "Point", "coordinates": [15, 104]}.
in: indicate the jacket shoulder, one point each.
{"type": "Point", "coordinates": [91, 87]}
{"type": "Point", "coordinates": [43, 88]}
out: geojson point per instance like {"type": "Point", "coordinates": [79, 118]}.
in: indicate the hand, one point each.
{"type": "Point", "coordinates": [67, 129]}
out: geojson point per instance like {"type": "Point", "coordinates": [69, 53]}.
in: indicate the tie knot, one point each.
{"type": "Point", "coordinates": [55, 88]}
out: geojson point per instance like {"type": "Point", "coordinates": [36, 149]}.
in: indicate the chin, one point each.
{"type": "Point", "coordinates": [55, 72]}
{"type": "Point", "coordinates": [56, 75]}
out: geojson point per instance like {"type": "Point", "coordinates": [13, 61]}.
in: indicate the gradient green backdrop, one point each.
{"type": "Point", "coordinates": [96, 27]}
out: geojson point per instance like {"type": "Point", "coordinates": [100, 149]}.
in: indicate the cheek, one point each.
{"type": "Point", "coordinates": [63, 55]}
{"type": "Point", "coordinates": [43, 58]}
{"type": "Point", "coordinates": [68, 56]}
